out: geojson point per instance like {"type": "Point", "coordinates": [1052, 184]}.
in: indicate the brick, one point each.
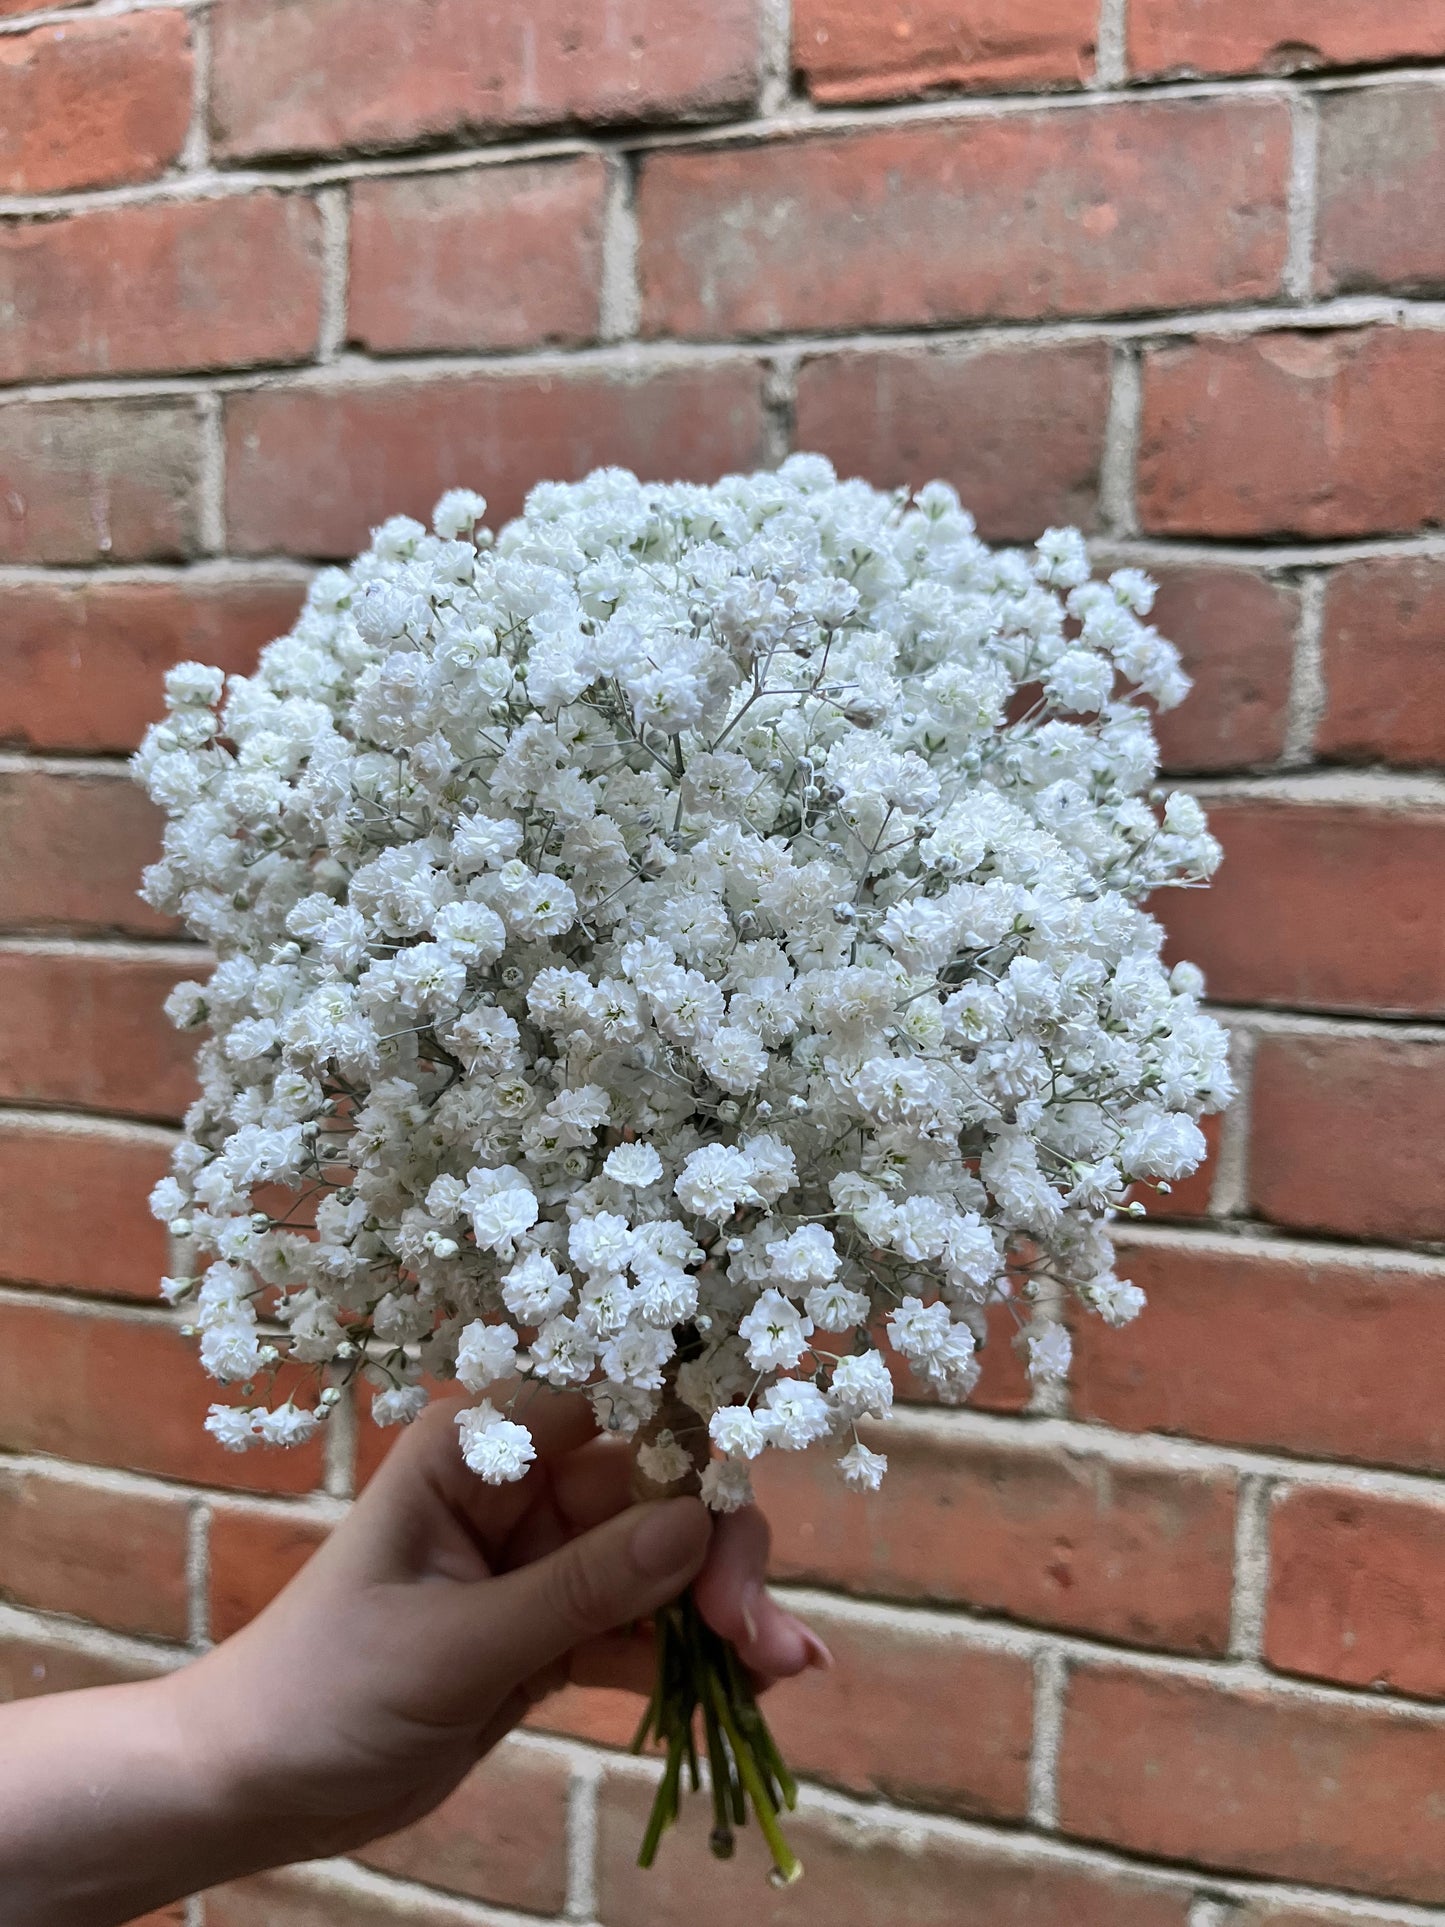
{"type": "Point", "coordinates": [173, 1916]}
{"type": "Point", "coordinates": [98, 481]}
{"type": "Point", "coordinates": [1384, 662]}
{"type": "Point", "coordinates": [46, 1662]}
{"type": "Point", "coordinates": [1253, 1781]}
{"type": "Point", "coordinates": [72, 848]}
{"type": "Point", "coordinates": [1319, 906]}
{"type": "Point", "coordinates": [303, 1897]}
{"type": "Point", "coordinates": [161, 286]}
{"type": "Point", "coordinates": [485, 258]}
{"type": "Point", "coordinates": [92, 1179]}
{"type": "Point", "coordinates": [379, 74]}
{"type": "Point", "coordinates": [112, 1556]}
{"type": "Point", "coordinates": [1019, 432]}
{"type": "Point", "coordinates": [1013, 216]}
{"type": "Point", "coordinates": [86, 1029]}
{"type": "Point", "coordinates": [1326, 1357]}
{"type": "Point", "coordinates": [311, 469]}
{"type": "Point", "coordinates": [857, 1726]}
{"type": "Point", "coordinates": [84, 661]}
{"type": "Point", "coordinates": [1235, 631]}
{"type": "Point", "coordinates": [502, 1836]}
{"type": "Point", "coordinates": [1381, 166]}
{"type": "Point", "coordinates": [1345, 1136]}
{"type": "Point", "coordinates": [1311, 434]}
{"type": "Point", "coordinates": [848, 50]}
{"type": "Point", "coordinates": [125, 1392]}
{"type": "Point", "coordinates": [870, 1872]}
{"type": "Point", "coordinates": [1278, 36]}
{"type": "Point", "coordinates": [1354, 1590]}
{"type": "Point", "coordinates": [1052, 1537]}
{"type": "Point", "coordinates": [254, 1552]}
{"type": "Point", "coordinates": [93, 102]}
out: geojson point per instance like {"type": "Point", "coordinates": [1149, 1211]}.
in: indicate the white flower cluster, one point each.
{"type": "Point", "coordinates": [678, 947]}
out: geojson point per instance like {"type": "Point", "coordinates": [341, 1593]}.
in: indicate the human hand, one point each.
{"type": "Point", "coordinates": [442, 1608]}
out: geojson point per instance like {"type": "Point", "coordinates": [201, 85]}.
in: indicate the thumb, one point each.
{"type": "Point", "coordinates": [617, 1572]}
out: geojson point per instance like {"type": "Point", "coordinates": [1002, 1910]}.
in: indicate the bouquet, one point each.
{"type": "Point", "coordinates": [688, 946]}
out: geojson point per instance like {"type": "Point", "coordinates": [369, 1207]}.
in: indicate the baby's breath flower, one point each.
{"type": "Point", "coordinates": [690, 922]}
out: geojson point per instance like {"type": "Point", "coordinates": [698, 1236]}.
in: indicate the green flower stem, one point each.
{"type": "Point", "coordinates": [698, 1673]}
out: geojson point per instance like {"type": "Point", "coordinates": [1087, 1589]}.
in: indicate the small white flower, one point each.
{"type": "Point", "coordinates": [775, 1332]}
{"type": "Point", "coordinates": [727, 1486]}
{"type": "Point", "coordinates": [232, 1427]}
{"type": "Point", "coordinates": [635, 1165]}
{"type": "Point", "coordinates": [485, 1353]}
{"type": "Point", "coordinates": [736, 1430]}
{"type": "Point", "coordinates": [399, 1404]}
{"type": "Point", "coordinates": [795, 1413]}
{"type": "Point", "coordinates": [495, 1448]}
{"type": "Point", "coordinates": [862, 1468]}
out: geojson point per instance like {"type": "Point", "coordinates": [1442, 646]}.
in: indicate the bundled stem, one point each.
{"type": "Point", "coordinates": [699, 1673]}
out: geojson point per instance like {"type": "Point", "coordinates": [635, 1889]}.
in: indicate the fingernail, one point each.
{"type": "Point", "coordinates": [669, 1536]}
{"type": "Point", "coordinates": [752, 1593]}
{"type": "Point", "coordinates": [818, 1655]}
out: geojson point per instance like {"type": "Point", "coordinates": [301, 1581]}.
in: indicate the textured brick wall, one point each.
{"type": "Point", "coordinates": [1168, 1654]}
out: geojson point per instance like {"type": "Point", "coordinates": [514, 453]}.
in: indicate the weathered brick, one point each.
{"type": "Point", "coordinates": [1278, 36]}
{"type": "Point", "coordinates": [1381, 171]}
{"type": "Point", "coordinates": [117, 1557]}
{"type": "Point", "coordinates": [73, 1205]}
{"type": "Point", "coordinates": [866, 1871]}
{"type": "Point", "coordinates": [1319, 905]}
{"type": "Point", "coordinates": [310, 469]}
{"type": "Point", "coordinates": [254, 1552]}
{"type": "Point", "coordinates": [1235, 630]}
{"type": "Point", "coordinates": [1311, 434]}
{"type": "Point", "coordinates": [1019, 215]}
{"type": "Point", "coordinates": [485, 258]}
{"type": "Point", "coordinates": [84, 662]}
{"type": "Point", "coordinates": [848, 50]}
{"type": "Point", "coordinates": [161, 286]}
{"type": "Point", "coordinates": [1345, 1135]}
{"type": "Point", "coordinates": [126, 1392]}
{"type": "Point", "coordinates": [1384, 662]}
{"type": "Point", "coordinates": [1354, 1589]}
{"type": "Point", "coordinates": [502, 1836]}
{"type": "Point", "coordinates": [314, 1897]}
{"type": "Point", "coordinates": [1018, 431]}
{"type": "Point", "coordinates": [86, 1029]}
{"type": "Point", "coordinates": [98, 481]}
{"type": "Point", "coordinates": [857, 1726]}
{"type": "Point", "coordinates": [72, 848]}
{"type": "Point", "coordinates": [47, 1662]}
{"type": "Point", "coordinates": [93, 102]}
{"type": "Point", "coordinates": [1325, 1357]}
{"type": "Point", "coordinates": [379, 74]}
{"type": "Point", "coordinates": [1054, 1537]}
{"type": "Point", "coordinates": [1255, 1781]}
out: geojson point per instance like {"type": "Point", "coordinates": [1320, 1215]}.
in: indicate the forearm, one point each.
{"type": "Point", "coordinates": [111, 1804]}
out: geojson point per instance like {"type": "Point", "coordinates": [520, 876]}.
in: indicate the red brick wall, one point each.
{"type": "Point", "coordinates": [1168, 1654]}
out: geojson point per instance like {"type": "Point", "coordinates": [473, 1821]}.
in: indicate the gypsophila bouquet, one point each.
{"type": "Point", "coordinates": [686, 946]}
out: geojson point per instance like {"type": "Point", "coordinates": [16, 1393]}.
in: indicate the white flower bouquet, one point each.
{"type": "Point", "coordinates": [686, 946]}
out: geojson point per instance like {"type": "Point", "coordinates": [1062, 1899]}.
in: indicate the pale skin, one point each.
{"type": "Point", "coordinates": [432, 1619]}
